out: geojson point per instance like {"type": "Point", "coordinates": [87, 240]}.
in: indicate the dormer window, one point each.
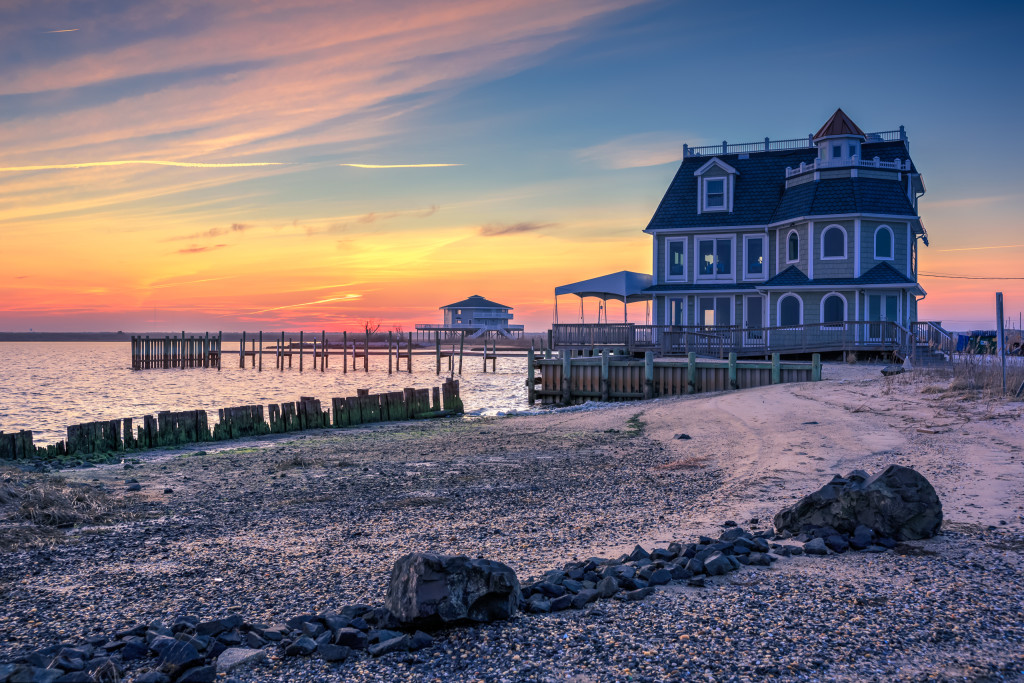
{"type": "Point", "coordinates": [837, 151]}
{"type": "Point", "coordinates": [716, 182]}
{"type": "Point", "coordinates": [714, 194]}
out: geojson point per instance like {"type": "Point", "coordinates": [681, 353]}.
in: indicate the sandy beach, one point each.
{"type": "Point", "coordinates": [313, 522]}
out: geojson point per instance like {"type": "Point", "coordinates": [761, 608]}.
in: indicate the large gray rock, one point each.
{"type": "Point", "coordinates": [898, 503]}
{"type": "Point", "coordinates": [430, 589]}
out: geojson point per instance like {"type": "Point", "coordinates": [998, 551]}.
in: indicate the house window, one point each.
{"type": "Point", "coordinates": [837, 151]}
{"type": "Point", "coordinates": [833, 309]}
{"type": "Point", "coordinates": [714, 194]}
{"type": "Point", "coordinates": [714, 259]}
{"type": "Point", "coordinates": [793, 253]}
{"type": "Point", "coordinates": [883, 243]}
{"type": "Point", "coordinates": [676, 255]}
{"type": "Point", "coordinates": [854, 151]}
{"type": "Point", "coordinates": [715, 311]}
{"type": "Point", "coordinates": [753, 246]}
{"type": "Point", "coordinates": [678, 311]}
{"type": "Point", "coordinates": [833, 242]}
{"type": "Point", "coordinates": [791, 310]}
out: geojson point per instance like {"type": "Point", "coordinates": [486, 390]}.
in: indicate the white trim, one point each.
{"type": "Point", "coordinates": [856, 314]}
{"type": "Point", "coordinates": [703, 198]}
{"type": "Point", "coordinates": [709, 228]}
{"type": "Point", "coordinates": [764, 258]}
{"type": "Point", "coordinates": [697, 276]}
{"type": "Point", "coordinates": [797, 233]}
{"type": "Point", "coordinates": [856, 247]}
{"type": "Point", "coordinates": [909, 237]}
{"type": "Point", "coordinates": [826, 287]}
{"type": "Point", "coordinates": [845, 216]}
{"type": "Point", "coordinates": [778, 308]}
{"type": "Point", "coordinates": [810, 250]}
{"type": "Point", "coordinates": [846, 237]}
{"type": "Point", "coordinates": [669, 277]}
{"type": "Point", "coordinates": [846, 308]}
{"type": "Point", "coordinates": [715, 161]}
{"type": "Point", "coordinates": [892, 244]}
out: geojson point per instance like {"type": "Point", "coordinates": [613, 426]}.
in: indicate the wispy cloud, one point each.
{"type": "Point", "coordinates": [196, 249]}
{"type": "Point", "coordinates": [190, 282]}
{"type": "Point", "coordinates": [398, 165]}
{"type": "Point", "coordinates": [498, 229]}
{"type": "Point", "coordinates": [998, 246]}
{"type": "Point", "coordinates": [213, 232]}
{"type": "Point", "coordinates": [347, 297]}
{"type": "Point", "coordinates": [634, 151]}
{"type": "Point", "coordinates": [62, 30]}
{"type": "Point", "coordinates": [148, 162]}
{"type": "Point", "coordinates": [966, 202]}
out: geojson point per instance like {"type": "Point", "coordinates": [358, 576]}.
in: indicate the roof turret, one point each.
{"type": "Point", "coordinates": [840, 125]}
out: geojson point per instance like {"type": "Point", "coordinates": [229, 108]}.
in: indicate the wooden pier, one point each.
{"type": "Point", "coordinates": [191, 426]}
{"type": "Point", "coordinates": [571, 380]}
{"type": "Point", "coordinates": [176, 352]}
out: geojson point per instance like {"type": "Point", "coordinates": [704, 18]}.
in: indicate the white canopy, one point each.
{"type": "Point", "coordinates": [625, 286]}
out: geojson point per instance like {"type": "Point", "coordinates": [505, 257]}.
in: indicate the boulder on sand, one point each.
{"type": "Point", "coordinates": [898, 502]}
{"type": "Point", "coordinates": [427, 589]}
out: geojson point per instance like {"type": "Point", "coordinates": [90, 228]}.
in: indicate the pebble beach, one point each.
{"type": "Point", "coordinates": [271, 528]}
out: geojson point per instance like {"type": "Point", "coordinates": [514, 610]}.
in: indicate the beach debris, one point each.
{"type": "Point", "coordinates": [682, 437]}
{"type": "Point", "coordinates": [427, 588]}
{"type": "Point", "coordinates": [890, 370]}
{"type": "Point", "coordinates": [897, 503]}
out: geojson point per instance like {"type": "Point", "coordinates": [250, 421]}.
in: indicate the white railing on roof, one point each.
{"type": "Point", "coordinates": [817, 164]}
{"type": "Point", "coordinates": [769, 145]}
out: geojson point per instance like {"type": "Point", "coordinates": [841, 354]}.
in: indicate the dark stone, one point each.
{"type": "Point", "coordinates": [312, 629]}
{"type": "Point", "coordinates": [295, 623]}
{"type": "Point", "coordinates": [231, 638]}
{"type": "Point", "coordinates": [334, 653]}
{"type": "Point", "coordinates": [334, 622]}
{"type": "Point", "coordinates": [660, 577]}
{"type": "Point", "coordinates": [352, 638]}
{"type": "Point", "coordinates": [717, 564]}
{"type": "Point", "coordinates": [134, 487]}
{"type": "Point", "coordinates": [218, 626]}
{"type": "Point", "coordinates": [184, 622]}
{"type": "Point", "coordinates": [438, 589]}
{"type": "Point", "coordinates": [662, 554]}
{"type": "Point", "coordinates": [572, 586]}
{"type": "Point", "coordinates": [695, 566]}
{"type": "Point", "coordinates": [538, 604]}
{"type": "Point", "coordinates": [303, 647]}
{"type": "Point", "coordinates": [638, 594]}
{"type": "Point", "coordinates": [168, 490]}
{"type": "Point", "coordinates": [728, 522]}
{"type": "Point", "coordinates": [381, 617]}
{"type": "Point", "coordinates": [420, 640]}
{"type": "Point", "coordinates": [75, 677]}
{"type": "Point", "coordinates": [399, 644]}
{"type": "Point", "coordinates": [607, 587]}
{"type": "Point", "coordinates": [199, 674]}
{"type": "Point", "coordinates": [862, 538]}
{"type": "Point", "coordinates": [353, 611]}
{"type": "Point", "coordinates": [897, 502]}
{"type": "Point", "coordinates": [760, 560]}
{"type": "Point", "coordinates": [379, 636]}
{"type": "Point", "coordinates": [682, 437]}
{"type": "Point", "coordinates": [585, 597]}
{"type": "Point", "coordinates": [562, 602]}
{"type": "Point", "coordinates": [35, 674]}
{"type": "Point", "coordinates": [359, 623]}
{"type": "Point", "coordinates": [177, 656]}
{"type": "Point", "coordinates": [136, 648]}
{"type": "Point", "coordinates": [679, 573]}
{"type": "Point", "coordinates": [816, 546]}
{"type": "Point", "coordinates": [254, 641]}
{"type": "Point", "coordinates": [153, 677]}
{"type": "Point", "coordinates": [733, 534]}
{"type": "Point", "coordinates": [696, 581]}
{"type": "Point", "coordinates": [548, 589]}
{"type": "Point", "coordinates": [837, 543]}
{"type": "Point", "coordinates": [639, 554]}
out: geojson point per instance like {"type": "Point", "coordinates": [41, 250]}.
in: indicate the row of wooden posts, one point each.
{"type": "Point", "coordinates": [569, 380]}
{"type": "Point", "coordinates": [169, 428]}
{"type": "Point", "coordinates": [207, 351]}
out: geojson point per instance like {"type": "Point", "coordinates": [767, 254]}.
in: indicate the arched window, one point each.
{"type": "Point", "coordinates": [833, 242]}
{"type": "Point", "coordinates": [790, 310]}
{"type": "Point", "coordinates": [883, 243]}
{"type": "Point", "coordinates": [794, 247]}
{"type": "Point", "coordinates": [833, 309]}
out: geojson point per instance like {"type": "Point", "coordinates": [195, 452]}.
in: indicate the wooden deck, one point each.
{"type": "Point", "coordinates": [719, 342]}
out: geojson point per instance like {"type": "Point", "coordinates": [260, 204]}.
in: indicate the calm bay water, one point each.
{"type": "Point", "coordinates": [47, 386]}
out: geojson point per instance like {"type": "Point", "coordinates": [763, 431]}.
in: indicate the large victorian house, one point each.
{"type": "Point", "coordinates": [818, 230]}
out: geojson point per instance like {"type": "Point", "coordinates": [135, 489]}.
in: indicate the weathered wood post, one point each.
{"type": "Point", "coordinates": [437, 349]}
{"type": "Point", "coordinates": [815, 367]}
{"type": "Point", "coordinates": [566, 378]}
{"type": "Point", "coordinates": [389, 351]}
{"type": "Point", "coordinates": [344, 353]}
{"type": "Point", "coordinates": [323, 350]}
{"type": "Point", "coordinates": [604, 375]}
{"type": "Point", "coordinates": [691, 372]}
{"type": "Point", "coordinates": [531, 387]}
{"type": "Point", "coordinates": [261, 350]}
{"type": "Point", "coordinates": [776, 369]}
{"type": "Point", "coordinates": [366, 352]}
{"type": "Point", "coordinates": [648, 374]}
{"type": "Point", "coordinates": [314, 354]}
{"type": "Point", "coordinates": [462, 343]}
{"type": "Point", "coordinates": [547, 351]}
{"type": "Point", "coordinates": [241, 352]}
{"type": "Point", "coordinates": [409, 350]}
{"type": "Point", "coordinates": [733, 383]}
{"type": "Point", "coordinates": [302, 348]}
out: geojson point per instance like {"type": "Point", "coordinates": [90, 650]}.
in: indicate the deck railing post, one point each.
{"type": "Point", "coordinates": [648, 374]}
{"type": "Point", "coordinates": [733, 384]}
{"type": "Point", "coordinates": [531, 387]}
{"type": "Point", "coordinates": [816, 367]}
{"type": "Point", "coordinates": [776, 369]}
{"type": "Point", "coordinates": [691, 372]}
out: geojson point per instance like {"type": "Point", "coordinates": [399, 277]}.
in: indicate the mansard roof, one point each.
{"type": "Point", "coordinates": [761, 184]}
{"type": "Point", "coordinates": [842, 196]}
{"type": "Point", "coordinates": [838, 125]}
{"type": "Point", "coordinates": [881, 274]}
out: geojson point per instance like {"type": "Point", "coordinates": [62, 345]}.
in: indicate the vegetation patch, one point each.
{"type": "Point", "coordinates": [635, 426]}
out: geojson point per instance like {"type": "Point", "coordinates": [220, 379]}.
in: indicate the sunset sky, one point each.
{"type": "Point", "coordinates": [318, 163]}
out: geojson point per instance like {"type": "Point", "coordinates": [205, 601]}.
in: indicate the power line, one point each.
{"type": "Point", "coordinates": [967, 277]}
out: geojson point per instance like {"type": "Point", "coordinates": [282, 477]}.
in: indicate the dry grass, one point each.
{"type": "Point", "coordinates": [984, 374]}
{"type": "Point", "coordinates": [34, 507]}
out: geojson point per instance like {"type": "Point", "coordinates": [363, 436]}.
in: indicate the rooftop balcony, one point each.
{"type": "Point", "coordinates": [769, 145]}
{"type": "Point", "coordinates": [850, 162]}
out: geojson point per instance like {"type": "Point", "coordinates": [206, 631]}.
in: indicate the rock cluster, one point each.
{"type": "Point", "coordinates": [897, 502]}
